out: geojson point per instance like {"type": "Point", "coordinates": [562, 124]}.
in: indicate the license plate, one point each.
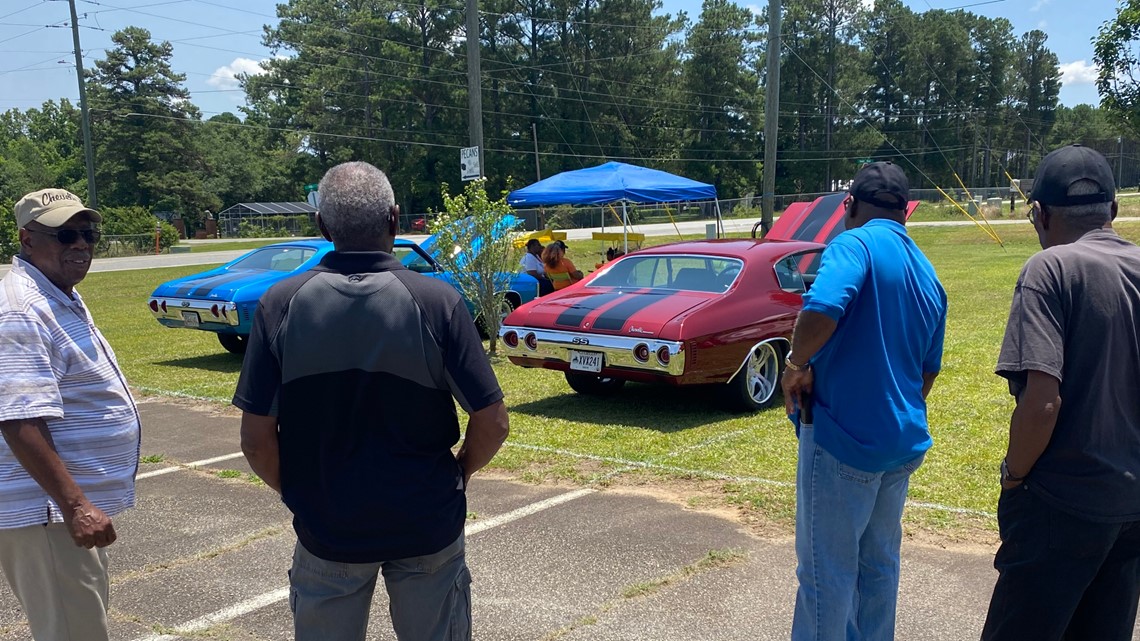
{"type": "Point", "coordinates": [191, 319]}
{"type": "Point", "coordinates": [586, 361]}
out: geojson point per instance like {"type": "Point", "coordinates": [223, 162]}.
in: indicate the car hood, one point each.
{"type": "Point", "coordinates": [604, 310]}
{"type": "Point", "coordinates": [218, 285]}
{"type": "Point", "coordinates": [504, 226]}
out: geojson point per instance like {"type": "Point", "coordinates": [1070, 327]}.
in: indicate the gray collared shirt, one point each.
{"type": "Point", "coordinates": [55, 365]}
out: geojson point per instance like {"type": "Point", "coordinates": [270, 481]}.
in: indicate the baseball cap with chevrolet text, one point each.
{"type": "Point", "coordinates": [51, 208]}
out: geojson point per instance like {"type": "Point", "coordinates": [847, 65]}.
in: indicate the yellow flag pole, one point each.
{"type": "Point", "coordinates": [669, 213]}
{"type": "Point", "coordinates": [981, 213]}
{"type": "Point", "coordinates": [989, 231]}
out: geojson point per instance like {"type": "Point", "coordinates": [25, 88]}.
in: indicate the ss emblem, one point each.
{"type": "Point", "coordinates": [578, 340]}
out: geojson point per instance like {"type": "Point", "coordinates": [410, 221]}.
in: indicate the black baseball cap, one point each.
{"type": "Point", "coordinates": [1065, 166]}
{"type": "Point", "coordinates": [882, 184]}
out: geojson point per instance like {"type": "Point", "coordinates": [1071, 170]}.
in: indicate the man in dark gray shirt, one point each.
{"type": "Point", "coordinates": [1069, 512]}
{"type": "Point", "coordinates": [348, 393]}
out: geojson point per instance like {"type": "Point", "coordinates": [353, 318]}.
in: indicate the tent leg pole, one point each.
{"type": "Point", "coordinates": [719, 220]}
{"type": "Point", "coordinates": [625, 226]}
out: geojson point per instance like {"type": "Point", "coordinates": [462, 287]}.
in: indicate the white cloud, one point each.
{"type": "Point", "coordinates": [1037, 6]}
{"type": "Point", "coordinates": [1043, 25]}
{"type": "Point", "coordinates": [225, 77]}
{"type": "Point", "coordinates": [756, 10]}
{"type": "Point", "coordinates": [1078, 73]}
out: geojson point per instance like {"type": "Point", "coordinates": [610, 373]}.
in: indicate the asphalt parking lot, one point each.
{"type": "Point", "coordinates": [205, 553]}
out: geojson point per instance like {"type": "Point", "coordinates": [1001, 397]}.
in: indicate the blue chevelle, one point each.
{"type": "Point", "coordinates": [223, 300]}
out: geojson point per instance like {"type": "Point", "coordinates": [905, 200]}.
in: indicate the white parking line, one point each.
{"type": "Point", "coordinates": [221, 616]}
{"type": "Point", "coordinates": [280, 594]}
{"type": "Point", "coordinates": [175, 468]}
{"type": "Point", "coordinates": [526, 510]}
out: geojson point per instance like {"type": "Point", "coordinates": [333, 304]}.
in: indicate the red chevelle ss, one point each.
{"type": "Point", "coordinates": [699, 312]}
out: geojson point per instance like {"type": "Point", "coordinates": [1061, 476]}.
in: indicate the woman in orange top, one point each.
{"type": "Point", "coordinates": [561, 272]}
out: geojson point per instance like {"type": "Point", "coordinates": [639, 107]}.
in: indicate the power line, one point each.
{"type": "Point", "coordinates": [28, 33]}
{"type": "Point", "coordinates": [647, 101]}
{"type": "Point", "coordinates": [233, 32]}
{"type": "Point", "coordinates": [31, 6]}
{"type": "Point", "coordinates": [832, 89]}
{"type": "Point", "coordinates": [522, 152]}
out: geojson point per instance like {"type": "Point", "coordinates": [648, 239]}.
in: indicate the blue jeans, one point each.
{"type": "Point", "coordinates": [848, 534]}
{"type": "Point", "coordinates": [429, 596]}
{"type": "Point", "coordinates": [1061, 576]}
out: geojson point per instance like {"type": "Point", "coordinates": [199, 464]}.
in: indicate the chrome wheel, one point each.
{"type": "Point", "coordinates": [754, 386]}
{"type": "Point", "coordinates": [762, 373]}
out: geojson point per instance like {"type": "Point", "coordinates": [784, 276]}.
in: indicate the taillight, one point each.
{"type": "Point", "coordinates": [511, 339]}
{"type": "Point", "coordinates": [641, 352]}
{"type": "Point", "coordinates": [531, 341]}
{"type": "Point", "coordinates": [663, 354]}
{"type": "Point", "coordinates": [154, 305]}
{"type": "Point", "coordinates": [163, 306]}
{"type": "Point", "coordinates": [214, 310]}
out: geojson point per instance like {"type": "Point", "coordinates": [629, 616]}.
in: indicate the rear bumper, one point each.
{"type": "Point", "coordinates": [211, 315]}
{"type": "Point", "coordinates": [552, 350]}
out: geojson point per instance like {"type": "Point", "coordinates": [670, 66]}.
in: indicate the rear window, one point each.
{"type": "Point", "coordinates": [277, 259]}
{"type": "Point", "coordinates": [796, 273]}
{"type": "Point", "coordinates": [412, 259]}
{"type": "Point", "coordinates": [684, 273]}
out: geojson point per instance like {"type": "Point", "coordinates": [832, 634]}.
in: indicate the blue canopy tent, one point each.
{"type": "Point", "coordinates": [610, 183]}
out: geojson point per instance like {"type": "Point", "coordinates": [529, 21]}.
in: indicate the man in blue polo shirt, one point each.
{"type": "Point", "coordinates": [866, 349]}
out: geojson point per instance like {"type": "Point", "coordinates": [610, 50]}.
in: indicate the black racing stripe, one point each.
{"type": "Point", "coordinates": [820, 215]}
{"type": "Point", "coordinates": [578, 312]}
{"type": "Point", "coordinates": [616, 317]}
{"type": "Point", "coordinates": [214, 283]}
{"type": "Point", "coordinates": [196, 284]}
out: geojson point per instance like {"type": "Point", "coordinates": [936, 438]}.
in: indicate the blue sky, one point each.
{"type": "Point", "coordinates": [212, 40]}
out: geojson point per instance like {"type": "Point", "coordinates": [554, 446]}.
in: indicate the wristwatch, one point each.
{"type": "Point", "coordinates": [1006, 477]}
{"type": "Point", "coordinates": [792, 366]}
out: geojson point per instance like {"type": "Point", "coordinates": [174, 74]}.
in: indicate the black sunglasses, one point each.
{"type": "Point", "coordinates": [1034, 214]}
{"type": "Point", "coordinates": [70, 236]}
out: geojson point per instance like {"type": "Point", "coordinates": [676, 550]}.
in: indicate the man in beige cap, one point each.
{"type": "Point", "coordinates": [71, 430]}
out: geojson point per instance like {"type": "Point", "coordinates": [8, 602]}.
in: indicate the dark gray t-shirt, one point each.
{"type": "Point", "coordinates": [1076, 316]}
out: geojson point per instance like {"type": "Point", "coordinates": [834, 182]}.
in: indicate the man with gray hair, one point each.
{"type": "Point", "coordinates": [1069, 511]}
{"type": "Point", "coordinates": [348, 394]}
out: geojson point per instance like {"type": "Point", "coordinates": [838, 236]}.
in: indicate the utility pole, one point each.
{"type": "Point", "coordinates": [1120, 162]}
{"type": "Point", "coordinates": [534, 136]}
{"type": "Point", "coordinates": [474, 87]}
{"type": "Point", "coordinates": [1028, 149]}
{"type": "Point", "coordinates": [89, 156]}
{"type": "Point", "coordinates": [771, 116]}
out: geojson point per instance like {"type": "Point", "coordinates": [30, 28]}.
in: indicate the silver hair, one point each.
{"type": "Point", "coordinates": [356, 199]}
{"type": "Point", "coordinates": [1091, 216]}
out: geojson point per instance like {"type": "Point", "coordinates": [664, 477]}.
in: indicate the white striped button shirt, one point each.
{"type": "Point", "coordinates": [55, 365]}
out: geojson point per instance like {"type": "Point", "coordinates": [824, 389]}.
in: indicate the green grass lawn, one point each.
{"type": "Point", "coordinates": [662, 435]}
